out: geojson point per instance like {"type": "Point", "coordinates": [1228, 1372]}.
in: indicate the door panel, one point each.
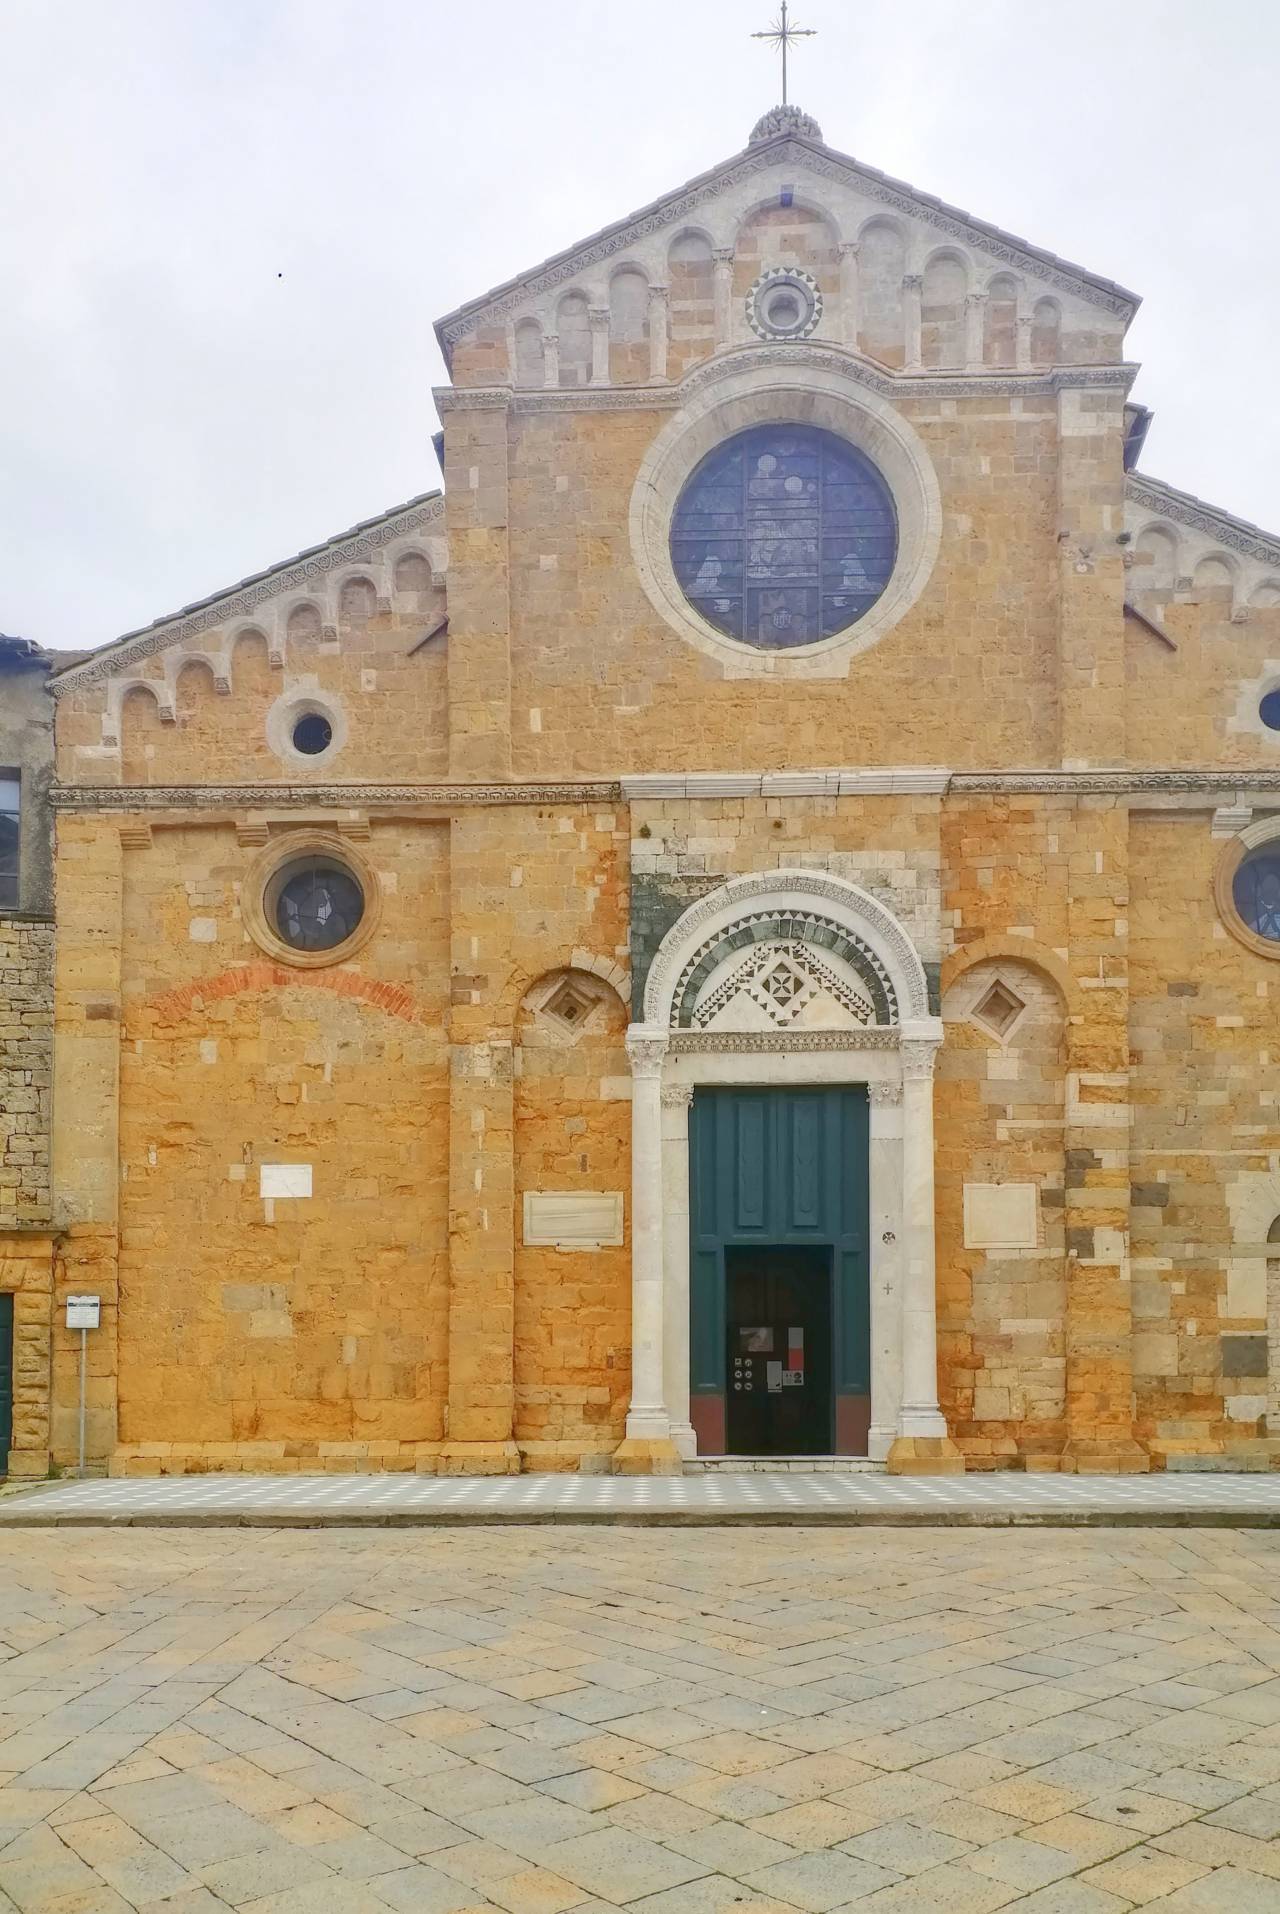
{"type": "Point", "coordinates": [783, 1170]}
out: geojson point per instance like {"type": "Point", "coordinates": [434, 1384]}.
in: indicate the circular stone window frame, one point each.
{"type": "Point", "coordinates": [282, 719]}
{"type": "Point", "coordinates": [262, 882]}
{"type": "Point", "coordinates": [793, 394]}
{"type": "Point", "coordinates": [1232, 855]}
{"type": "Point", "coordinates": [793, 279]}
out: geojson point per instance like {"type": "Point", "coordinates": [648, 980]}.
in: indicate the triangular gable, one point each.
{"type": "Point", "coordinates": [821, 162]}
{"type": "Point", "coordinates": [423, 514]}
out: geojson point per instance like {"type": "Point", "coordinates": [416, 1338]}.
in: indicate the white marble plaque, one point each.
{"type": "Point", "coordinates": [572, 1219]}
{"type": "Point", "coordinates": [1001, 1216]}
{"type": "Point", "coordinates": [284, 1179]}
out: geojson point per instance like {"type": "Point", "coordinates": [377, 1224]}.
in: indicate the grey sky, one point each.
{"type": "Point", "coordinates": [227, 225]}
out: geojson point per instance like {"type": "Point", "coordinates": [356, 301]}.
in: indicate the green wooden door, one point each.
{"type": "Point", "coordinates": [782, 1168]}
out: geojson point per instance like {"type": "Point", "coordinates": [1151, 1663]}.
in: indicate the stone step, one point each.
{"type": "Point", "coordinates": [783, 1465]}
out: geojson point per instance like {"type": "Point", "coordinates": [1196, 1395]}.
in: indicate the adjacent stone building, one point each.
{"type": "Point", "coordinates": [26, 1044]}
{"type": "Point", "coordinates": [747, 925]}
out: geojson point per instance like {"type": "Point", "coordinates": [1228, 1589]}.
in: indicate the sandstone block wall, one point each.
{"type": "Point", "coordinates": [26, 1032]}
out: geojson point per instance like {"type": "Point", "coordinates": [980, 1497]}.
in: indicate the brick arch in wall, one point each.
{"type": "Point", "coordinates": [1022, 950]}
{"type": "Point", "coordinates": [240, 980]}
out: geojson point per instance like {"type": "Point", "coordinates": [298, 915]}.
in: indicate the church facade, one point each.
{"type": "Point", "coordinates": [747, 925]}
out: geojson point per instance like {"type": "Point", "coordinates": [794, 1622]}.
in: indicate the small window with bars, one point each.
{"type": "Point", "coordinates": [10, 816]}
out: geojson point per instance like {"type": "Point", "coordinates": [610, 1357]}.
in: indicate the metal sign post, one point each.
{"type": "Point", "coordinates": [84, 1314]}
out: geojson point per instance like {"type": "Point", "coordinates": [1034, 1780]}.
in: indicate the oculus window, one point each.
{"type": "Point", "coordinates": [783, 536]}
{"type": "Point", "coordinates": [1255, 892]}
{"type": "Point", "coordinates": [10, 823]}
{"type": "Point", "coordinates": [314, 904]}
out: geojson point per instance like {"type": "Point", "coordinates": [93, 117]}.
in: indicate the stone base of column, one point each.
{"type": "Point", "coordinates": [924, 1455]}
{"type": "Point", "coordinates": [647, 1455]}
{"type": "Point", "coordinates": [1103, 1455]}
{"type": "Point", "coordinates": [472, 1458]}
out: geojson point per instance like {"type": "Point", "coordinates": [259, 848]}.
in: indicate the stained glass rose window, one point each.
{"type": "Point", "coordinates": [783, 536]}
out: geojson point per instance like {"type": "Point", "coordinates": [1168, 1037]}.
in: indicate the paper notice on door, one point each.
{"type": "Point", "coordinates": [773, 1375]}
{"type": "Point", "coordinates": [795, 1349]}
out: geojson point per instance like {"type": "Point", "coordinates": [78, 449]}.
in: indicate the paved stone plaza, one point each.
{"type": "Point", "coordinates": [545, 1719]}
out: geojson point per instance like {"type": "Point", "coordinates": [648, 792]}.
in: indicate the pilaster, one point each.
{"type": "Point", "coordinates": [723, 265]}
{"type": "Point", "coordinates": [1099, 1311]}
{"type": "Point", "coordinates": [1091, 663]}
{"type": "Point", "coordinates": [479, 654]}
{"type": "Point", "coordinates": [647, 1448]}
{"type": "Point", "coordinates": [911, 290]}
{"type": "Point", "coordinates": [658, 329]}
{"type": "Point", "coordinates": [86, 1150]}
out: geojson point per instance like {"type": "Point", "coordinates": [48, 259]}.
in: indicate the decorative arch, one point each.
{"type": "Point", "coordinates": [807, 902]}
{"type": "Point", "coordinates": [1019, 950]}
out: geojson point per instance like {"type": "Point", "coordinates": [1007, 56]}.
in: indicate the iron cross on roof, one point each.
{"type": "Point", "coordinates": [781, 34]}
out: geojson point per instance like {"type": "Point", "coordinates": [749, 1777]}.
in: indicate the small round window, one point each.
{"type": "Point", "coordinates": [783, 536]}
{"type": "Point", "coordinates": [1269, 710]}
{"type": "Point", "coordinates": [1255, 891]}
{"type": "Point", "coordinates": [314, 904]}
{"type": "Point", "coordinates": [312, 734]}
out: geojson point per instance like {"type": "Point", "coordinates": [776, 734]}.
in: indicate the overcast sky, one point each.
{"type": "Point", "coordinates": [227, 225]}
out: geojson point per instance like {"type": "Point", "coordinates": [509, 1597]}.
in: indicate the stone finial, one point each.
{"type": "Point", "coordinates": [785, 119]}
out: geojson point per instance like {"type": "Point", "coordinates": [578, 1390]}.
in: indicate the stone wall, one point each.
{"type": "Point", "coordinates": [26, 1028]}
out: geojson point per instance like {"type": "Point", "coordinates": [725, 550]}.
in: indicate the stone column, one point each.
{"type": "Point", "coordinates": [723, 258]}
{"type": "Point", "coordinates": [849, 295]}
{"type": "Point", "coordinates": [676, 1101]}
{"type": "Point", "coordinates": [885, 1170]}
{"type": "Point", "coordinates": [647, 1448]}
{"type": "Point", "coordinates": [975, 312]}
{"type": "Point", "coordinates": [911, 286]}
{"type": "Point", "coordinates": [657, 335]}
{"type": "Point", "coordinates": [551, 358]}
{"type": "Point", "coordinates": [923, 1446]}
{"type": "Point", "coordinates": [599, 318]}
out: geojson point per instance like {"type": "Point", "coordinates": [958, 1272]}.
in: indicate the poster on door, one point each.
{"type": "Point", "coordinates": [793, 1374]}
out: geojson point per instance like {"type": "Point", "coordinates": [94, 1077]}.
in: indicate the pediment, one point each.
{"type": "Point", "coordinates": [715, 204]}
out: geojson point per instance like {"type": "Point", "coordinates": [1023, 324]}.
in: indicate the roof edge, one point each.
{"type": "Point", "coordinates": [1239, 533]}
{"type": "Point", "coordinates": [360, 540]}
{"type": "Point", "coordinates": [953, 220]}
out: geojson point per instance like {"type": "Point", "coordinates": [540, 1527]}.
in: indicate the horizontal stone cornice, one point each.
{"type": "Point", "coordinates": [889, 781]}
{"type": "Point", "coordinates": [801, 356]}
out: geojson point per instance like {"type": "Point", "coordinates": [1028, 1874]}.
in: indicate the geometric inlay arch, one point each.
{"type": "Point", "coordinates": [789, 907]}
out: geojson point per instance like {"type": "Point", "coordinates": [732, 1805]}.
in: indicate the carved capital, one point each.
{"type": "Point", "coordinates": [917, 1061]}
{"type": "Point", "coordinates": [599, 317]}
{"type": "Point", "coordinates": [723, 255]}
{"type": "Point", "coordinates": [850, 249]}
{"type": "Point", "coordinates": [646, 1048]}
{"type": "Point", "coordinates": [677, 1096]}
{"type": "Point", "coordinates": [912, 281]}
{"type": "Point", "coordinates": [884, 1093]}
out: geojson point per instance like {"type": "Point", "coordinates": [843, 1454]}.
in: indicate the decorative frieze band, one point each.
{"type": "Point", "coordinates": [712, 1042]}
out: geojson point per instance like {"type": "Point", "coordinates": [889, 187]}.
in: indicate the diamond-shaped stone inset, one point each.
{"type": "Point", "coordinates": [998, 1009]}
{"type": "Point", "coordinates": [571, 1003]}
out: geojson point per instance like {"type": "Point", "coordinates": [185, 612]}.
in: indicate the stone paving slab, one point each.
{"type": "Point", "coordinates": [987, 1500]}
{"type": "Point", "coordinates": [619, 1721]}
